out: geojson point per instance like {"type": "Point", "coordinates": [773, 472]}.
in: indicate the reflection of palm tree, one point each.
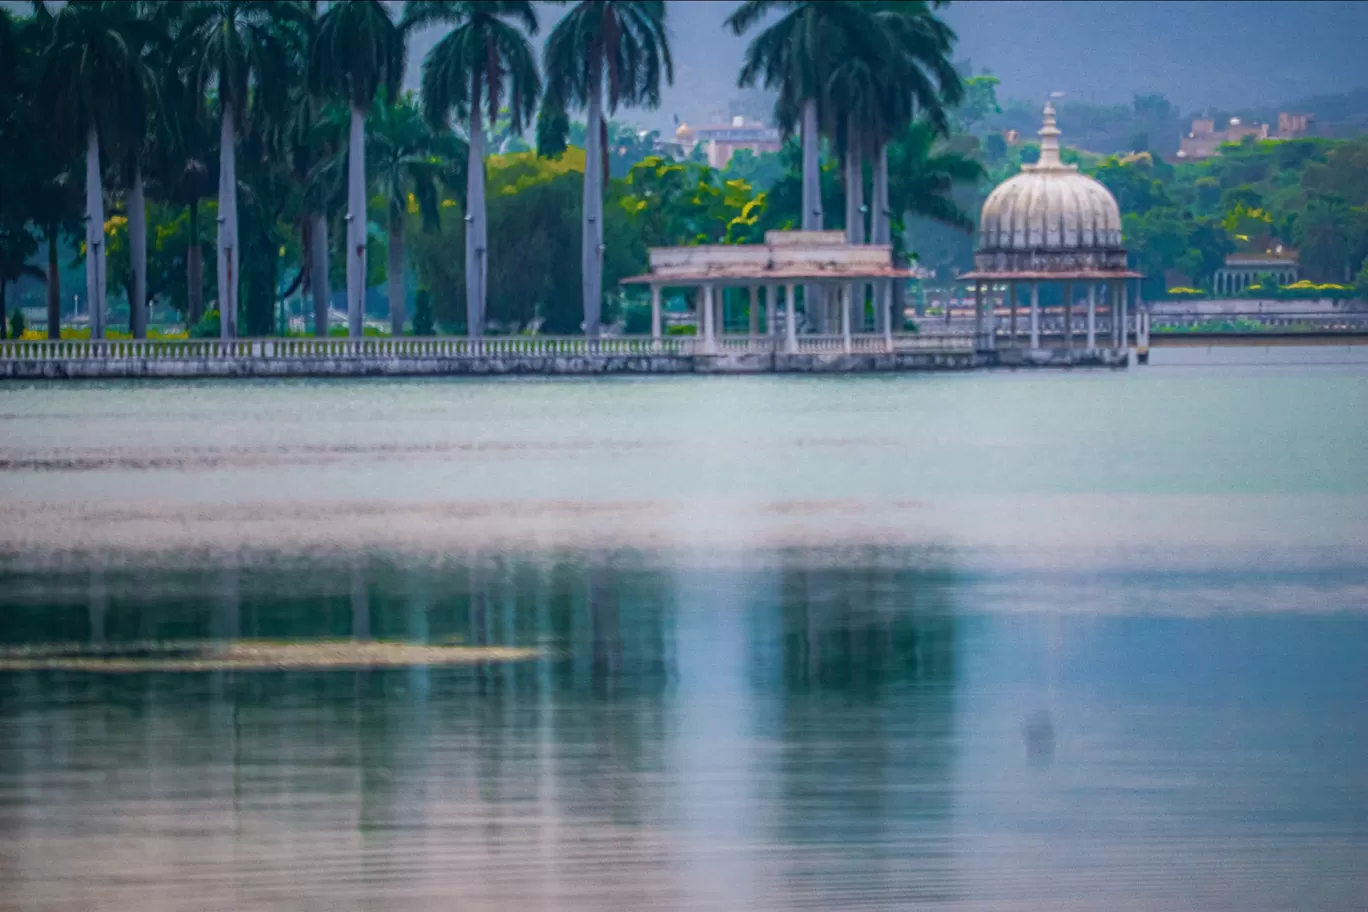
{"type": "Point", "coordinates": [468, 73]}
{"type": "Point", "coordinates": [602, 50]}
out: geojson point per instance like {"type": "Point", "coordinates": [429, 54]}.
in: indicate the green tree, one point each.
{"type": "Point", "coordinates": [484, 59]}
{"type": "Point", "coordinates": [17, 245]}
{"type": "Point", "coordinates": [94, 82]}
{"type": "Point", "coordinates": [359, 50]}
{"type": "Point", "coordinates": [410, 165]}
{"type": "Point", "coordinates": [794, 57]}
{"type": "Point", "coordinates": [244, 49]}
{"type": "Point", "coordinates": [40, 176]}
{"type": "Point", "coordinates": [1331, 237]}
{"type": "Point", "coordinates": [979, 104]}
{"type": "Point", "coordinates": [613, 51]}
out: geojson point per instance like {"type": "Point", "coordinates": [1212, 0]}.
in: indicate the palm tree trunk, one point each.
{"type": "Point", "coordinates": [95, 248]}
{"type": "Point", "coordinates": [812, 201]}
{"type": "Point", "coordinates": [855, 224]}
{"type": "Point", "coordinates": [319, 282]}
{"type": "Point", "coordinates": [881, 231]}
{"type": "Point", "coordinates": [591, 240]}
{"type": "Point", "coordinates": [137, 248]}
{"type": "Point", "coordinates": [229, 255]}
{"type": "Point", "coordinates": [4, 317]}
{"type": "Point", "coordinates": [356, 224]}
{"type": "Point", "coordinates": [477, 271]}
{"type": "Point", "coordinates": [54, 287]}
{"type": "Point", "coordinates": [394, 272]}
{"type": "Point", "coordinates": [194, 271]}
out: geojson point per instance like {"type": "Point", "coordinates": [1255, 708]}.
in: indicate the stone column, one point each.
{"type": "Point", "coordinates": [1125, 334]}
{"type": "Point", "coordinates": [844, 296]}
{"type": "Point", "coordinates": [709, 315]}
{"type": "Point", "coordinates": [755, 310]}
{"type": "Point", "coordinates": [770, 292]}
{"type": "Point", "coordinates": [1092, 316]}
{"type": "Point", "coordinates": [655, 312]}
{"type": "Point", "coordinates": [791, 324]}
{"type": "Point", "coordinates": [1035, 315]}
{"type": "Point", "coordinates": [989, 321]}
{"type": "Point", "coordinates": [1068, 315]}
{"type": "Point", "coordinates": [1011, 299]}
{"type": "Point", "coordinates": [979, 343]}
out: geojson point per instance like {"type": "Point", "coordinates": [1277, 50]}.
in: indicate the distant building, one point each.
{"type": "Point", "coordinates": [1242, 270]}
{"type": "Point", "coordinates": [721, 142]}
{"type": "Point", "coordinates": [1204, 140]}
{"type": "Point", "coordinates": [1292, 126]}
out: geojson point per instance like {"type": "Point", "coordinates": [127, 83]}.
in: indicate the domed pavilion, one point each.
{"type": "Point", "coordinates": [1052, 225]}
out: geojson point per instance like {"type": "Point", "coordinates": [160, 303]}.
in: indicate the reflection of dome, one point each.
{"type": "Point", "coordinates": [1049, 206]}
{"type": "Point", "coordinates": [683, 134]}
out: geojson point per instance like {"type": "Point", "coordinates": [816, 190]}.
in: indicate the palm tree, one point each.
{"type": "Point", "coordinates": [797, 56]}
{"type": "Point", "coordinates": [359, 50]}
{"type": "Point", "coordinates": [153, 53]}
{"type": "Point", "coordinates": [408, 160]}
{"type": "Point", "coordinates": [41, 175]}
{"type": "Point", "coordinates": [922, 175]}
{"type": "Point", "coordinates": [93, 80]}
{"type": "Point", "coordinates": [621, 43]}
{"type": "Point", "coordinates": [242, 48]}
{"type": "Point", "coordinates": [468, 73]}
{"type": "Point", "coordinates": [879, 90]}
{"type": "Point", "coordinates": [180, 159]}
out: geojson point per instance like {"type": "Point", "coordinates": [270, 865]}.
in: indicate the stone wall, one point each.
{"type": "Point", "coordinates": [728, 363]}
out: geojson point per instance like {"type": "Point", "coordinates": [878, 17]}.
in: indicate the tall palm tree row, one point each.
{"type": "Point", "coordinates": [602, 50]}
{"type": "Point", "coordinates": [293, 83]}
{"type": "Point", "coordinates": [482, 62]}
{"type": "Point", "coordinates": [359, 50]}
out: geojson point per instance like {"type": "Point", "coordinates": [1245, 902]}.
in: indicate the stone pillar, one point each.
{"type": "Point", "coordinates": [1035, 315]}
{"type": "Point", "coordinates": [1068, 315]}
{"type": "Point", "coordinates": [989, 321]}
{"type": "Point", "coordinates": [770, 329]}
{"type": "Point", "coordinates": [655, 311]}
{"type": "Point", "coordinates": [1092, 316]}
{"type": "Point", "coordinates": [844, 296]}
{"type": "Point", "coordinates": [755, 310]}
{"type": "Point", "coordinates": [1011, 303]}
{"type": "Point", "coordinates": [1125, 334]}
{"type": "Point", "coordinates": [979, 343]}
{"type": "Point", "coordinates": [791, 323]}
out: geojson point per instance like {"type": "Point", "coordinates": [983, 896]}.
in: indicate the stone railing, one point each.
{"type": "Point", "coordinates": [1347, 322]}
{"type": "Point", "coordinates": [458, 347]}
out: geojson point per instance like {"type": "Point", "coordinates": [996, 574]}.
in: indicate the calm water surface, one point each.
{"type": "Point", "coordinates": [991, 641]}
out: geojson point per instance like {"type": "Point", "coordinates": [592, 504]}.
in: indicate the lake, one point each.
{"type": "Point", "coordinates": [1075, 640]}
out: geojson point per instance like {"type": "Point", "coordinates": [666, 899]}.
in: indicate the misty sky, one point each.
{"type": "Point", "coordinates": [1199, 54]}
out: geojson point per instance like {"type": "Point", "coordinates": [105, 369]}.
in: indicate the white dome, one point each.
{"type": "Point", "coordinates": [1050, 207]}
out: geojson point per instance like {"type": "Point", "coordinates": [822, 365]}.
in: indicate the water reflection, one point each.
{"type": "Point", "coordinates": [799, 728]}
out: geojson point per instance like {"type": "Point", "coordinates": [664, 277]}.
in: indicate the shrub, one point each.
{"type": "Point", "coordinates": [422, 313]}
{"type": "Point", "coordinates": [208, 327]}
{"type": "Point", "coordinates": [17, 324]}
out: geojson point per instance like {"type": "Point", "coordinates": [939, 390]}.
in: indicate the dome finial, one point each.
{"type": "Point", "coordinates": [1049, 140]}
